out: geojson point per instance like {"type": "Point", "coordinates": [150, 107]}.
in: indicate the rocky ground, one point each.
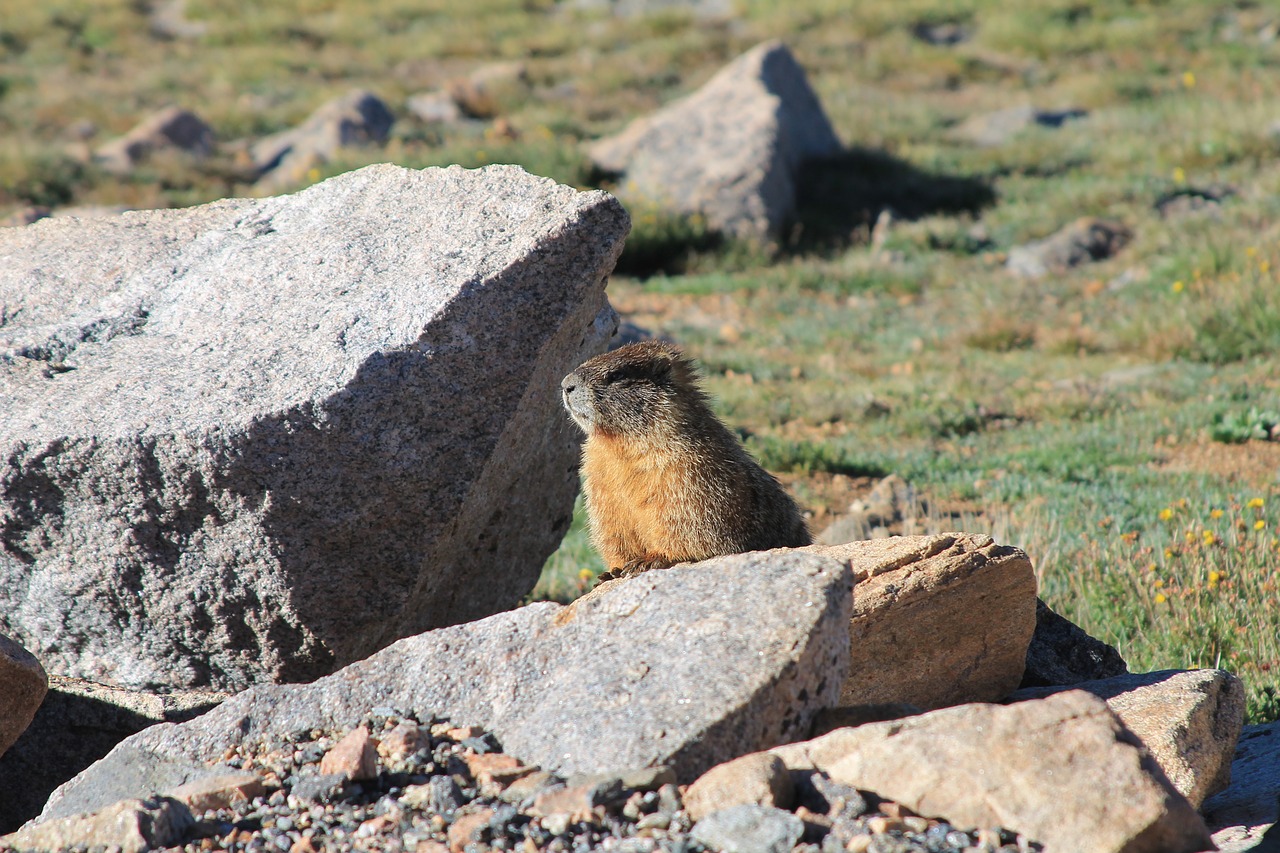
{"type": "Point", "coordinates": [430, 786]}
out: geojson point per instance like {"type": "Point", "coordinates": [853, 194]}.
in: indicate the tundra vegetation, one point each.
{"type": "Point", "coordinates": [1117, 420]}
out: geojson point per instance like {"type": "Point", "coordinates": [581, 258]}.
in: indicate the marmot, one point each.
{"type": "Point", "coordinates": [666, 482]}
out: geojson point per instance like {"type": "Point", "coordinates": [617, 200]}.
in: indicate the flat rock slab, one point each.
{"type": "Point", "coordinates": [1061, 770]}
{"type": "Point", "coordinates": [78, 723]}
{"type": "Point", "coordinates": [1250, 806]}
{"type": "Point", "coordinates": [937, 620]}
{"type": "Point", "coordinates": [1189, 719]}
{"type": "Point", "coordinates": [23, 684]}
{"type": "Point", "coordinates": [688, 667]}
{"type": "Point", "coordinates": [259, 439]}
{"type": "Point", "coordinates": [730, 152]}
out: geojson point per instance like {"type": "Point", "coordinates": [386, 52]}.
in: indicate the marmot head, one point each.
{"type": "Point", "coordinates": [632, 390]}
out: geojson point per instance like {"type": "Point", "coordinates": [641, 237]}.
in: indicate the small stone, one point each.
{"type": "Point", "coordinates": [440, 795]}
{"type": "Point", "coordinates": [915, 823]}
{"type": "Point", "coordinates": [354, 757]}
{"type": "Point", "coordinates": [494, 767]}
{"type": "Point", "coordinates": [318, 788]}
{"type": "Point", "coordinates": [578, 800]}
{"type": "Point", "coordinates": [219, 792]}
{"type": "Point", "coordinates": [880, 824]}
{"type": "Point", "coordinates": [461, 733]}
{"type": "Point", "coordinates": [749, 828]}
{"type": "Point", "coordinates": [467, 828]}
{"type": "Point", "coordinates": [557, 824]}
{"type": "Point", "coordinates": [859, 844]}
{"type": "Point", "coordinates": [402, 741]}
{"type": "Point", "coordinates": [530, 786]}
{"type": "Point", "coordinates": [760, 778]}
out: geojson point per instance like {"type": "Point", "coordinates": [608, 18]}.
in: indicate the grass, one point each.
{"type": "Point", "coordinates": [1067, 414]}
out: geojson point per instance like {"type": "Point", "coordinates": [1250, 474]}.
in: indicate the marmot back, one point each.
{"type": "Point", "coordinates": [665, 481]}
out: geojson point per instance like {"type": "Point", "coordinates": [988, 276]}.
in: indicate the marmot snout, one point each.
{"type": "Point", "coordinates": [665, 480]}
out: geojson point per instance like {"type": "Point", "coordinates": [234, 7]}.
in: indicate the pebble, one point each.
{"type": "Point", "coordinates": [426, 801]}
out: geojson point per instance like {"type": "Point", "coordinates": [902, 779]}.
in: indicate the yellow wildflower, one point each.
{"type": "Point", "coordinates": [1166, 514]}
{"type": "Point", "coordinates": [1215, 513]}
{"type": "Point", "coordinates": [1188, 79]}
{"type": "Point", "coordinates": [1255, 503]}
{"type": "Point", "coordinates": [1159, 583]}
{"type": "Point", "coordinates": [1251, 251]}
{"type": "Point", "coordinates": [1179, 175]}
{"type": "Point", "coordinates": [1259, 525]}
{"type": "Point", "coordinates": [1178, 287]}
{"type": "Point", "coordinates": [1209, 538]}
{"type": "Point", "coordinates": [1263, 266]}
{"type": "Point", "coordinates": [1214, 577]}
{"type": "Point", "coordinates": [1160, 599]}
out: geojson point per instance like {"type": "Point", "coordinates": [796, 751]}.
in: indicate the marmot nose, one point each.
{"type": "Point", "coordinates": [569, 384]}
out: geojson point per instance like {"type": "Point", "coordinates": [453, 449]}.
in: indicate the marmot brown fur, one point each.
{"type": "Point", "coordinates": [665, 480]}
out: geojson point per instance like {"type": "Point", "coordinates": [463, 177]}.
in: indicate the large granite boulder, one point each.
{"type": "Point", "coordinates": [687, 667]}
{"type": "Point", "coordinates": [731, 151]}
{"type": "Point", "coordinates": [259, 439]}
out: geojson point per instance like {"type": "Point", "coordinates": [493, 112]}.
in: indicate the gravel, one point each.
{"type": "Point", "coordinates": [419, 797]}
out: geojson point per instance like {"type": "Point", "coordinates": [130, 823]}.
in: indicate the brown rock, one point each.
{"type": "Point", "coordinates": [530, 786]}
{"type": "Point", "coordinates": [1190, 720]}
{"type": "Point", "coordinates": [466, 829]}
{"type": "Point", "coordinates": [575, 801]}
{"type": "Point", "coordinates": [493, 767]}
{"type": "Point", "coordinates": [1061, 653]}
{"type": "Point", "coordinates": [461, 733]}
{"type": "Point", "coordinates": [23, 685]}
{"type": "Point", "coordinates": [402, 741]}
{"type": "Point", "coordinates": [759, 778]}
{"type": "Point", "coordinates": [129, 826]}
{"type": "Point", "coordinates": [355, 756]}
{"type": "Point", "coordinates": [218, 792]}
{"type": "Point", "coordinates": [937, 620]}
{"type": "Point", "coordinates": [1062, 770]}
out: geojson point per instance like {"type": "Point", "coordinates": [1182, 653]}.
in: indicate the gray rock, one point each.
{"type": "Point", "coordinates": [1061, 770]}
{"type": "Point", "coordinates": [1189, 720]}
{"type": "Point", "coordinates": [1061, 653]}
{"type": "Point", "coordinates": [23, 683]}
{"type": "Point", "coordinates": [172, 128]}
{"type": "Point", "coordinates": [688, 667]}
{"type": "Point", "coordinates": [357, 118]}
{"type": "Point", "coordinates": [78, 723]}
{"type": "Point", "coordinates": [729, 152]}
{"type": "Point", "coordinates": [749, 828]}
{"type": "Point", "coordinates": [891, 502]}
{"type": "Point", "coordinates": [994, 129]}
{"type": "Point", "coordinates": [1085, 240]}
{"type": "Point", "coordinates": [435, 107]}
{"type": "Point", "coordinates": [130, 826]}
{"type": "Point", "coordinates": [1250, 806]}
{"type": "Point", "coordinates": [167, 20]}
{"type": "Point", "coordinates": [259, 439]}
